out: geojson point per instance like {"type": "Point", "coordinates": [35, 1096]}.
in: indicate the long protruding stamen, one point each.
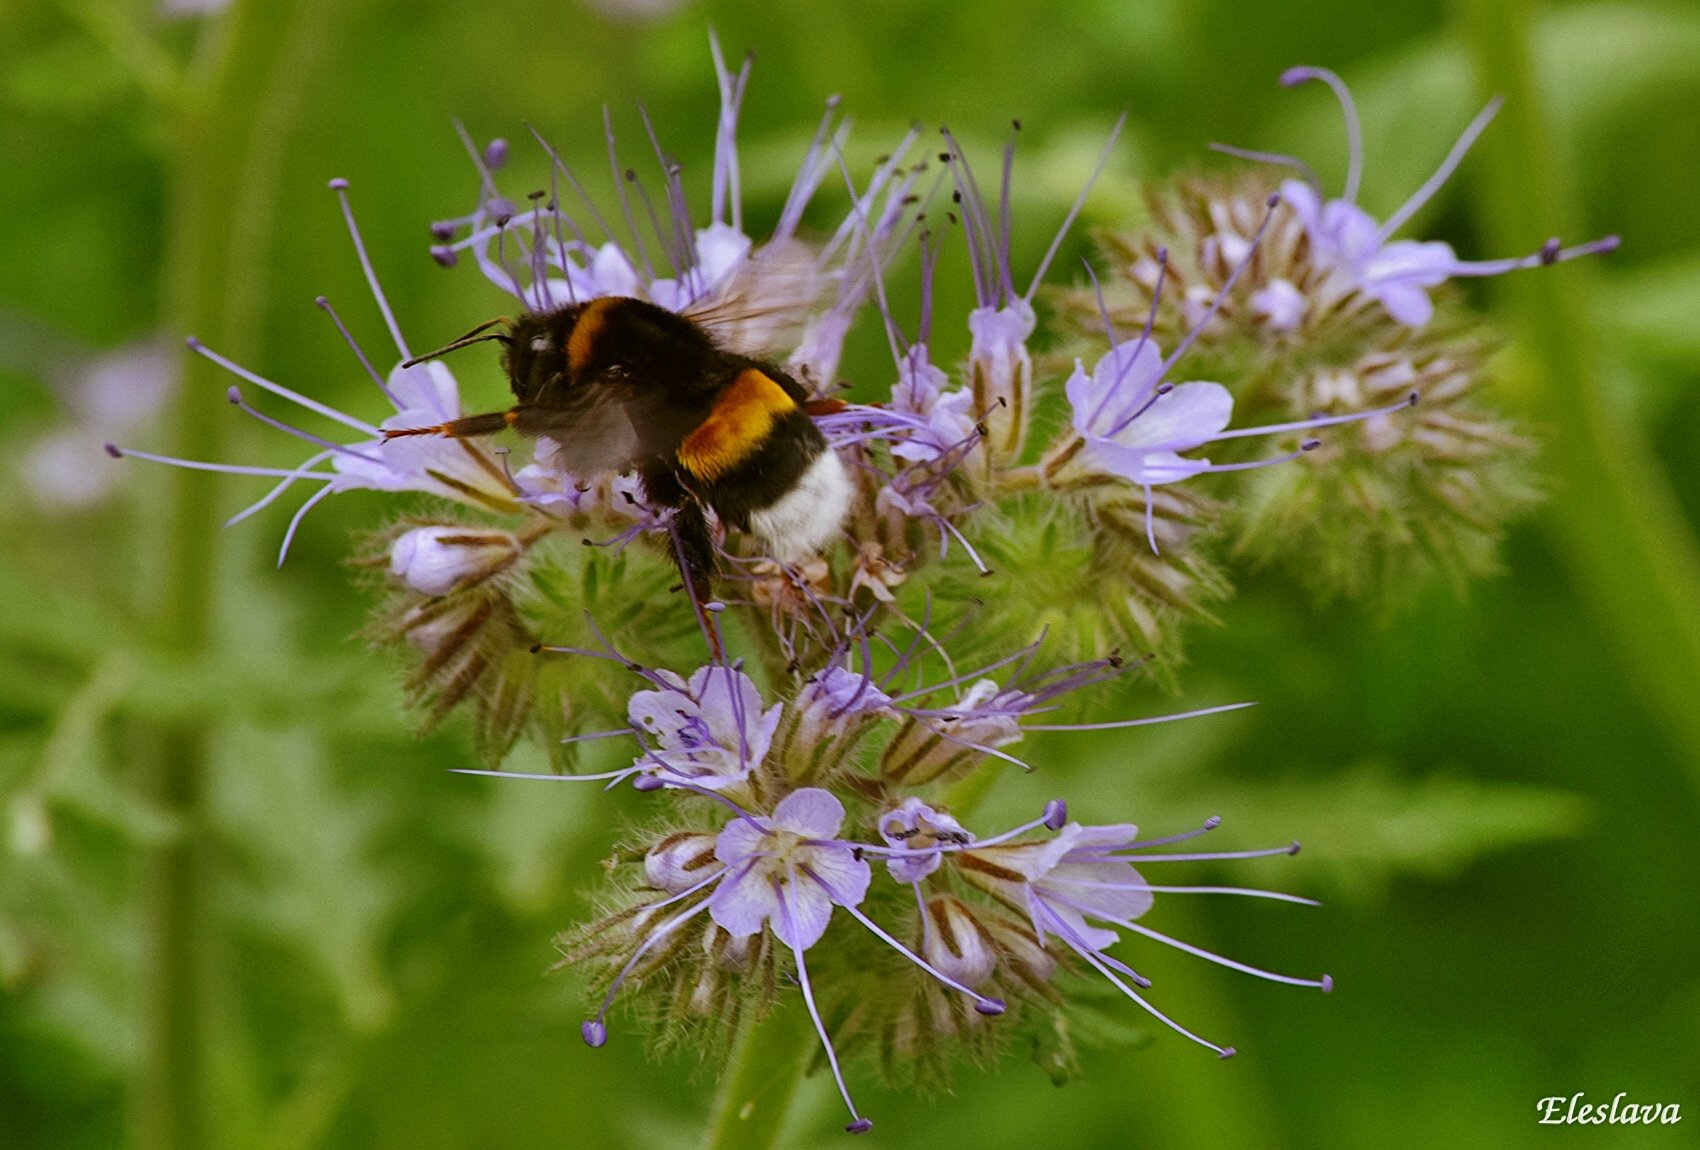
{"type": "Point", "coordinates": [1550, 253]}
{"type": "Point", "coordinates": [638, 246]}
{"type": "Point", "coordinates": [1191, 336]}
{"type": "Point", "coordinates": [340, 187]}
{"type": "Point", "coordinates": [1443, 173]}
{"type": "Point", "coordinates": [117, 452]}
{"type": "Point", "coordinates": [1324, 983]}
{"type": "Point", "coordinates": [858, 1125]}
{"type": "Point", "coordinates": [324, 305]}
{"type": "Point", "coordinates": [305, 471]}
{"type": "Point", "coordinates": [1304, 448]}
{"type": "Point", "coordinates": [278, 389]}
{"type": "Point", "coordinates": [235, 398]}
{"type": "Point", "coordinates": [597, 778]}
{"type": "Point", "coordinates": [595, 1031]}
{"type": "Point", "coordinates": [1096, 960]}
{"type": "Point", "coordinates": [295, 521]}
{"type": "Point", "coordinates": [1153, 888]}
{"type": "Point", "coordinates": [1291, 848]}
{"type": "Point", "coordinates": [984, 1005]}
{"type": "Point", "coordinates": [977, 224]}
{"type": "Point", "coordinates": [1075, 209]}
{"type": "Point", "coordinates": [1354, 131]}
{"type": "Point", "coordinates": [1410, 400]}
{"type": "Point", "coordinates": [559, 166]}
{"type": "Point", "coordinates": [1136, 722]}
{"type": "Point", "coordinates": [1281, 158]}
{"type": "Point", "coordinates": [810, 173]}
{"type": "Point", "coordinates": [678, 211]}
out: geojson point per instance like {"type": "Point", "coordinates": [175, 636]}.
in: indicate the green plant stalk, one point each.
{"type": "Point", "coordinates": [1615, 520]}
{"type": "Point", "coordinates": [231, 110]}
{"type": "Point", "coordinates": [761, 1080]}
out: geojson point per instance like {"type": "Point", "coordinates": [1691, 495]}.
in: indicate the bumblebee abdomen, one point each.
{"type": "Point", "coordinates": [743, 419]}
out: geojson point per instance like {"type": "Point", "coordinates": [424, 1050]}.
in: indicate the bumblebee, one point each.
{"type": "Point", "coordinates": [619, 384]}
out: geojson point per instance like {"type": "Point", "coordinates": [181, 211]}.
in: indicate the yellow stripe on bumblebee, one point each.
{"type": "Point", "coordinates": [740, 422]}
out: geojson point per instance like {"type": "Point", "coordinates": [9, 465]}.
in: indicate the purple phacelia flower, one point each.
{"type": "Point", "coordinates": [710, 732]}
{"type": "Point", "coordinates": [916, 827]}
{"type": "Point", "coordinates": [422, 395]}
{"type": "Point", "coordinates": [1362, 252]}
{"type": "Point", "coordinates": [785, 871]}
{"type": "Point", "coordinates": [1000, 368]}
{"type": "Point", "coordinates": [776, 296]}
{"type": "Point", "coordinates": [1078, 887]}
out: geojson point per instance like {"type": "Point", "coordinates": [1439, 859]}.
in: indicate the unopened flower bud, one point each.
{"type": "Point", "coordinates": [679, 861]}
{"type": "Point", "coordinates": [955, 943]}
{"type": "Point", "coordinates": [435, 560]}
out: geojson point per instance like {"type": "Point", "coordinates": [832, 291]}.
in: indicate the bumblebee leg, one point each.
{"type": "Point", "coordinates": [695, 550]}
{"type": "Point", "coordinates": [693, 544]}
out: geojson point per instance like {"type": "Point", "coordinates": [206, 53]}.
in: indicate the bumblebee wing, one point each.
{"type": "Point", "coordinates": [606, 425]}
{"type": "Point", "coordinates": [764, 305]}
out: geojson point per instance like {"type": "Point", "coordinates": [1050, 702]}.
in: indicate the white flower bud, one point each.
{"type": "Point", "coordinates": [679, 861]}
{"type": "Point", "coordinates": [436, 560]}
{"type": "Point", "coordinates": [956, 944]}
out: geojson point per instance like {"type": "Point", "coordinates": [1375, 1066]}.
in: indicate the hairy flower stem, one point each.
{"type": "Point", "coordinates": [231, 114]}
{"type": "Point", "coordinates": [1616, 521]}
{"type": "Point", "coordinates": [761, 1080]}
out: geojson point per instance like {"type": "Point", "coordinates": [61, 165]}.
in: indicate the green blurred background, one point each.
{"type": "Point", "coordinates": [1496, 789]}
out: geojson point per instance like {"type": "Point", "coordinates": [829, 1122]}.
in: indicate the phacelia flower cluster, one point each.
{"type": "Point", "coordinates": [1265, 367]}
{"type": "Point", "coordinates": [1320, 310]}
{"type": "Point", "coordinates": [805, 852]}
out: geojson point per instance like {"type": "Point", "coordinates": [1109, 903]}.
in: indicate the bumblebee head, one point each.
{"type": "Point", "coordinates": [612, 339]}
{"type": "Point", "coordinates": [604, 340]}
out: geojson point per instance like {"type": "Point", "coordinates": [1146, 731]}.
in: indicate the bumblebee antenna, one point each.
{"type": "Point", "coordinates": [476, 335]}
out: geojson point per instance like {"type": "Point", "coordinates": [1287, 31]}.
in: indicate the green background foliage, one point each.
{"type": "Point", "coordinates": [1497, 790]}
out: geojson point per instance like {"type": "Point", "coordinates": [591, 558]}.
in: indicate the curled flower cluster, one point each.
{"type": "Point", "coordinates": [825, 771]}
{"type": "Point", "coordinates": [781, 816]}
{"type": "Point", "coordinates": [1318, 311]}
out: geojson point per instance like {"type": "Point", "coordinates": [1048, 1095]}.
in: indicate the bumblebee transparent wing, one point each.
{"type": "Point", "coordinates": [763, 306]}
{"type": "Point", "coordinates": [607, 426]}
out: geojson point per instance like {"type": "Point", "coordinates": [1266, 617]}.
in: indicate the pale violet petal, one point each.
{"type": "Point", "coordinates": [845, 875]}
{"type": "Point", "coordinates": [810, 812]}
{"type": "Point", "coordinates": [1406, 303]}
{"type": "Point", "coordinates": [808, 910]}
{"type": "Point", "coordinates": [743, 902]}
{"type": "Point", "coordinates": [1191, 414]}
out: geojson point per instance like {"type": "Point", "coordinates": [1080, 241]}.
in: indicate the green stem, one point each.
{"type": "Point", "coordinates": [1616, 522]}
{"type": "Point", "coordinates": [231, 116]}
{"type": "Point", "coordinates": [761, 1080]}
